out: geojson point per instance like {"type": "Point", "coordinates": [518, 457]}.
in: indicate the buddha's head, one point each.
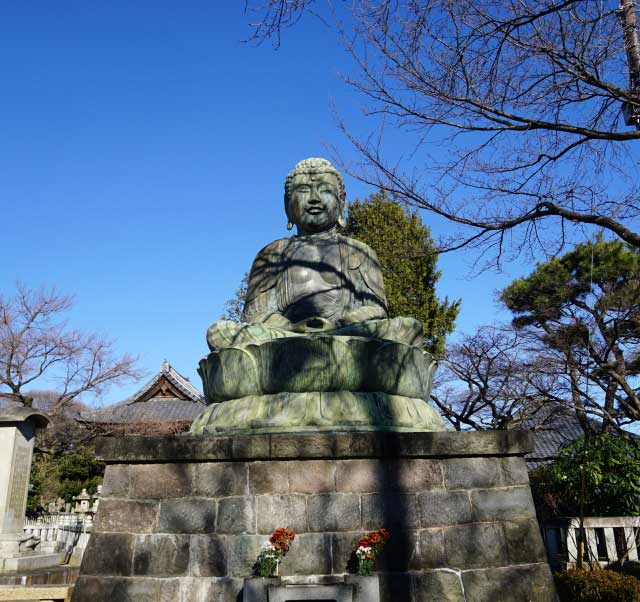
{"type": "Point", "coordinates": [314, 196]}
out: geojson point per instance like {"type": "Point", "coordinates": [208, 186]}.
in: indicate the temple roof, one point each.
{"type": "Point", "coordinates": [167, 397]}
{"type": "Point", "coordinates": [551, 431]}
{"type": "Point", "coordinates": [553, 425]}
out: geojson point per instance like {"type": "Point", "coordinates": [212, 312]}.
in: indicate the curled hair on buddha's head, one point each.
{"type": "Point", "coordinates": [315, 165]}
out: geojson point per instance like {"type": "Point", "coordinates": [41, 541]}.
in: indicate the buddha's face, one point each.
{"type": "Point", "coordinates": [314, 204]}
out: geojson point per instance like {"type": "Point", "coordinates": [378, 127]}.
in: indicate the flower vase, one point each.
{"type": "Point", "coordinates": [256, 589]}
{"type": "Point", "coordinates": [367, 589]}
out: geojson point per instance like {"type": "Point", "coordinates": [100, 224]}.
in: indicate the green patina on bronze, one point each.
{"type": "Point", "coordinates": [317, 349]}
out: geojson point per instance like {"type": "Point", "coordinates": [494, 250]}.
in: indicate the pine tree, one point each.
{"type": "Point", "coordinates": [585, 306]}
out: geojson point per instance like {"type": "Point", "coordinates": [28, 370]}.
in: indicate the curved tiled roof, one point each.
{"type": "Point", "coordinates": [553, 425]}
{"type": "Point", "coordinates": [156, 409]}
{"type": "Point", "coordinates": [171, 374]}
{"type": "Point", "coordinates": [167, 397]}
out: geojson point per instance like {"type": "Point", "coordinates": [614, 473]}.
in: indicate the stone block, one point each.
{"type": "Point", "coordinates": [256, 589]}
{"type": "Point", "coordinates": [209, 556]}
{"type": "Point", "coordinates": [430, 551]}
{"type": "Point", "coordinates": [531, 583]}
{"type": "Point", "coordinates": [91, 588]}
{"type": "Point", "coordinates": [108, 554]}
{"type": "Point", "coordinates": [310, 555]}
{"type": "Point", "coordinates": [116, 481]}
{"type": "Point", "coordinates": [400, 552]}
{"type": "Point", "coordinates": [310, 446]}
{"type": "Point", "coordinates": [502, 504]}
{"type": "Point", "coordinates": [122, 589]}
{"type": "Point", "coordinates": [473, 473]}
{"type": "Point", "coordinates": [414, 475]}
{"type": "Point", "coordinates": [350, 445]}
{"type": "Point", "coordinates": [332, 593]}
{"type": "Point", "coordinates": [395, 587]}
{"type": "Point", "coordinates": [161, 555]}
{"type": "Point", "coordinates": [342, 546]}
{"type": "Point", "coordinates": [441, 508]}
{"type": "Point", "coordinates": [277, 511]}
{"type": "Point", "coordinates": [524, 542]}
{"type": "Point", "coordinates": [334, 512]}
{"type": "Point", "coordinates": [438, 586]}
{"type": "Point", "coordinates": [475, 545]}
{"type": "Point", "coordinates": [220, 479]}
{"type": "Point", "coordinates": [362, 476]}
{"type": "Point", "coordinates": [126, 516]}
{"type": "Point", "coordinates": [312, 476]}
{"type": "Point", "coordinates": [243, 552]}
{"type": "Point", "coordinates": [160, 480]}
{"type": "Point", "coordinates": [514, 471]}
{"type": "Point", "coordinates": [187, 515]}
{"type": "Point", "coordinates": [31, 563]}
{"type": "Point", "coordinates": [269, 477]}
{"type": "Point", "coordinates": [236, 515]}
{"type": "Point", "coordinates": [250, 447]}
{"type": "Point", "coordinates": [210, 590]}
{"type": "Point", "coordinates": [394, 511]}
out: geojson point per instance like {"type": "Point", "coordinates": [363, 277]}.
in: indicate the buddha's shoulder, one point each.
{"type": "Point", "coordinates": [276, 246]}
{"type": "Point", "coordinates": [359, 251]}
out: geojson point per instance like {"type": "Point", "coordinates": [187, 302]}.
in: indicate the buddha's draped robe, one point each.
{"type": "Point", "coordinates": [324, 275]}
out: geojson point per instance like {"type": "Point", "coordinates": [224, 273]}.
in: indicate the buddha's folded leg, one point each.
{"type": "Point", "coordinates": [225, 333]}
{"type": "Point", "coordinates": [402, 330]}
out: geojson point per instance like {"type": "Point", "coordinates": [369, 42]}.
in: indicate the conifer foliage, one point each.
{"type": "Point", "coordinates": [585, 308]}
{"type": "Point", "coordinates": [408, 259]}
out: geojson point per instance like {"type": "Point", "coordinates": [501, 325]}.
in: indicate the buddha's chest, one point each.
{"type": "Point", "coordinates": [315, 266]}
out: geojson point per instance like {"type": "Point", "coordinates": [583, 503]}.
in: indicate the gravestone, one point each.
{"type": "Point", "coordinates": [17, 436]}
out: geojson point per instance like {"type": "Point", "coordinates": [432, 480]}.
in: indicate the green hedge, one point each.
{"type": "Point", "coordinates": [597, 586]}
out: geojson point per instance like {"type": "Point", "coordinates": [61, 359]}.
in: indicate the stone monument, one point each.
{"type": "Point", "coordinates": [318, 422]}
{"type": "Point", "coordinates": [17, 436]}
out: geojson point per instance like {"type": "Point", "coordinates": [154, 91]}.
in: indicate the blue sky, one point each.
{"type": "Point", "coordinates": [144, 149]}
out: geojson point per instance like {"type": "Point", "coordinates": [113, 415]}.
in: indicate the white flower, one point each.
{"type": "Point", "coordinates": [363, 551]}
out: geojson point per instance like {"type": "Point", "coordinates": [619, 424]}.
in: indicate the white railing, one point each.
{"type": "Point", "coordinates": [61, 532]}
{"type": "Point", "coordinates": [607, 540]}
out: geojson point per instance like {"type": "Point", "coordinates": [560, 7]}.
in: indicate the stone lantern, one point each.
{"type": "Point", "coordinates": [18, 428]}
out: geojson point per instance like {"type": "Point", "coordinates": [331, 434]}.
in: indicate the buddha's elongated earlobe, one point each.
{"type": "Point", "coordinates": [289, 225]}
{"type": "Point", "coordinates": [341, 222]}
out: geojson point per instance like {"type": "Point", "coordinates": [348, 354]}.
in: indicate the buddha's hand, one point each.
{"type": "Point", "coordinates": [315, 324]}
{"type": "Point", "coordinates": [362, 314]}
{"type": "Point", "coordinates": [277, 321]}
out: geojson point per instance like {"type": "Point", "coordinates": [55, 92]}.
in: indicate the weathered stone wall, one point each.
{"type": "Point", "coordinates": [184, 518]}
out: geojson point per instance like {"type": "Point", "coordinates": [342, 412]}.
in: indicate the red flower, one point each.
{"type": "Point", "coordinates": [281, 539]}
{"type": "Point", "coordinates": [375, 540]}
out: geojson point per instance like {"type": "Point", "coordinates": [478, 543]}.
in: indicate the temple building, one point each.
{"type": "Point", "coordinates": [167, 403]}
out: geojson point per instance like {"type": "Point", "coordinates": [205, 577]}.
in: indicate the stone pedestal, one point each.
{"type": "Point", "coordinates": [17, 436]}
{"type": "Point", "coordinates": [350, 588]}
{"type": "Point", "coordinates": [183, 518]}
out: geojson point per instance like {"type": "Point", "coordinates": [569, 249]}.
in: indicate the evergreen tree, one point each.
{"type": "Point", "coordinates": [234, 307]}
{"type": "Point", "coordinates": [408, 259]}
{"type": "Point", "coordinates": [585, 307]}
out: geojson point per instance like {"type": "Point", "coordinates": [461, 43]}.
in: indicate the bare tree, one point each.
{"type": "Point", "coordinates": [500, 375]}
{"type": "Point", "coordinates": [493, 377]}
{"type": "Point", "coordinates": [36, 344]}
{"type": "Point", "coordinates": [510, 112]}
